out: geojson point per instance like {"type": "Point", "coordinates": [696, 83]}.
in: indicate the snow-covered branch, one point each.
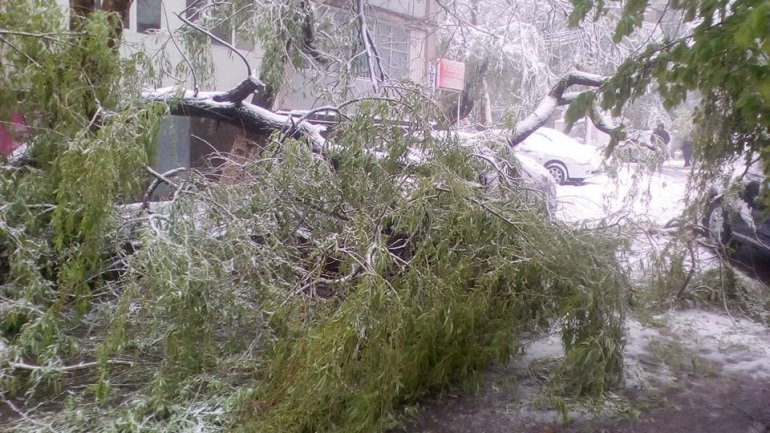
{"type": "Point", "coordinates": [600, 121]}
{"type": "Point", "coordinates": [557, 97]}
{"type": "Point", "coordinates": [376, 74]}
{"type": "Point", "coordinates": [229, 107]}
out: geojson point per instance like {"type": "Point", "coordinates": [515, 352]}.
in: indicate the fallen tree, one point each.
{"type": "Point", "coordinates": [309, 296]}
{"type": "Point", "coordinates": [230, 107]}
{"type": "Point", "coordinates": [557, 97]}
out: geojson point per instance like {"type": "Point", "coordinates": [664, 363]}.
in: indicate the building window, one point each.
{"type": "Point", "coordinates": [223, 30]}
{"type": "Point", "coordinates": [192, 7]}
{"type": "Point", "coordinates": [147, 15]}
{"type": "Point", "coordinates": [392, 43]}
{"type": "Point", "coordinates": [206, 12]}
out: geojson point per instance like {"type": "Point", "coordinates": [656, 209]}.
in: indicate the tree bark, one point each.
{"type": "Point", "coordinates": [485, 113]}
{"type": "Point", "coordinates": [79, 11]}
{"type": "Point", "coordinates": [229, 107]}
{"type": "Point", "coordinates": [557, 97]}
{"type": "Point", "coordinates": [120, 9]}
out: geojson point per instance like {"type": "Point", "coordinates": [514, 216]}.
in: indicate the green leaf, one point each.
{"type": "Point", "coordinates": [580, 9]}
{"type": "Point", "coordinates": [579, 108]}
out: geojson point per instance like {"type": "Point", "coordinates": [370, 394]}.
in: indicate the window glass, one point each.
{"type": "Point", "coordinates": [207, 13]}
{"type": "Point", "coordinates": [392, 44]}
{"type": "Point", "coordinates": [223, 31]}
{"type": "Point", "coordinates": [337, 34]}
{"type": "Point", "coordinates": [147, 15]}
{"type": "Point", "coordinates": [192, 7]}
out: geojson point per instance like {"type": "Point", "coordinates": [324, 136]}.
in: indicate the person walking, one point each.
{"type": "Point", "coordinates": [660, 138]}
{"type": "Point", "coordinates": [687, 149]}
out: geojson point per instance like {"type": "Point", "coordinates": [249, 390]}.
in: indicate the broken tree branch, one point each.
{"type": "Point", "coordinates": [229, 107]}
{"type": "Point", "coordinates": [557, 97]}
{"type": "Point", "coordinates": [600, 121]}
{"type": "Point", "coordinates": [242, 91]}
{"type": "Point", "coordinates": [372, 57]}
{"type": "Point", "coordinates": [66, 368]}
{"type": "Point", "coordinates": [159, 178]}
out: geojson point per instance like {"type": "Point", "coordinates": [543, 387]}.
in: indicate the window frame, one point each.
{"type": "Point", "coordinates": [386, 48]}
{"type": "Point", "coordinates": [229, 35]}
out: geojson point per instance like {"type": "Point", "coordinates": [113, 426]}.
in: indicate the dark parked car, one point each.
{"type": "Point", "coordinates": [735, 219]}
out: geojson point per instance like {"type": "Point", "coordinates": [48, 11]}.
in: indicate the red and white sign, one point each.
{"type": "Point", "coordinates": [12, 128]}
{"type": "Point", "coordinates": [450, 75]}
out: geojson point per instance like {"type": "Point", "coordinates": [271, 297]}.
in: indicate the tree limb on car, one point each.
{"type": "Point", "coordinates": [557, 97]}
{"type": "Point", "coordinates": [229, 107]}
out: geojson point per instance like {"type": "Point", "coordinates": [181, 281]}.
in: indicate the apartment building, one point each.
{"type": "Point", "coordinates": [403, 32]}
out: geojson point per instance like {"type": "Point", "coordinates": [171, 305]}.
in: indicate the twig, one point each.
{"type": "Point", "coordinates": [20, 51]}
{"type": "Point", "coordinates": [156, 183]}
{"type": "Point", "coordinates": [494, 212]}
{"type": "Point", "coordinates": [161, 177]}
{"type": "Point", "coordinates": [48, 36]}
{"type": "Point", "coordinates": [690, 273]}
{"type": "Point", "coordinates": [80, 366]}
{"type": "Point", "coordinates": [368, 98]}
{"type": "Point", "coordinates": [372, 57]}
{"type": "Point", "coordinates": [26, 417]}
{"type": "Point", "coordinates": [218, 39]}
{"type": "Point", "coordinates": [184, 57]}
{"type": "Point", "coordinates": [499, 171]}
{"type": "Point", "coordinates": [722, 289]}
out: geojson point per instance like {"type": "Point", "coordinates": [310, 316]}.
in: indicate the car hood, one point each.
{"type": "Point", "coordinates": [564, 150]}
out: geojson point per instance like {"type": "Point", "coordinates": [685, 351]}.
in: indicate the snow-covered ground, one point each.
{"type": "Point", "coordinates": [657, 197]}
{"type": "Point", "coordinates": [723, 344]}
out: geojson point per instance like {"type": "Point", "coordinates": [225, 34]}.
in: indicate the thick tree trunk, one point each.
{"type": "Point", "coordinates": [228, 107]}
{"type": "Point", "coordinates": [120, 9]}
{"type": "Point", "coordinates": [79, 11]}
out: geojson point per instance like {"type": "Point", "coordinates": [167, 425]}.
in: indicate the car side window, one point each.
{"type": "Point", "coordinates": [750, 193]}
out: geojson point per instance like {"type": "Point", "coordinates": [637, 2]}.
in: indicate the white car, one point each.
{"type": "Point", "coordinates": [565, 158]}
{"type": "Point", "coordinates": [494, 147]}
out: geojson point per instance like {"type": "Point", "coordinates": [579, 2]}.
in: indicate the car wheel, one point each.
{"type": "Point", "coordinates": [718, 225]}
{"type": "Point", "coordinates": [558, 171]}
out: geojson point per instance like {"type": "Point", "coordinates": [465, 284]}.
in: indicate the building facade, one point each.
{"type": "Point", "coordinates": [403, 31]}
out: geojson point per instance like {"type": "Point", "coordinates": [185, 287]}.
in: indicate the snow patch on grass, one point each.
{"type": "Point", "coordinates": [738, 346]}
{"type": "Point", "coordinates": [731, 346]}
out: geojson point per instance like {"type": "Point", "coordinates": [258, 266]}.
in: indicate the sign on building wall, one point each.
{"type": "Point", "coordinates": [12, 130]}
{"type": "Point", "coordinates": [450, 75]}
